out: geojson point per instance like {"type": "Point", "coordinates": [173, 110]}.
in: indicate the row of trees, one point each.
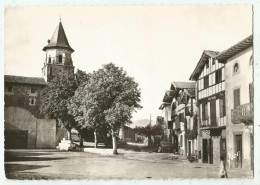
{"type": "Point", "coordinates": [102, 101]}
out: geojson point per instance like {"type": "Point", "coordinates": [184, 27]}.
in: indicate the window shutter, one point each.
{"type": "Point", "coordinates": [238, 97]}
{"type": "Point", "coordinates": [206, 110]}
{"type": "Point", "coordinates": [216, 79]}
{"type": "Point", "coordinates": [251, 92]}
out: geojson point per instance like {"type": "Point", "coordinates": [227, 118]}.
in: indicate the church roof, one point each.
{"type": "Point", "coordinates": [24, 80]}
{"type": "Point", "coordinates": [58, 40]}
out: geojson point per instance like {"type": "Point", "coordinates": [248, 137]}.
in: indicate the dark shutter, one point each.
{"type": "Point", "coordinates": [236, 97]}
{"type": "Point", "coordinates": [206, 111]}
{"type": "Point", "coordinates": [251, 93]}
{"type": "Point", "coordinates": [216, 77]}
{"type": "Point", "coordinates": [206, 82]}
{"type": "Point", "coordinates": [220, 76]}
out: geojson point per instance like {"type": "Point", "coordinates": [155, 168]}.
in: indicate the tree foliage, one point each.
{"type": "Point", "coordinates": [107, 100]}
{"type": "Point", "coordinates": [55, 99]}
{"type": "Point", "coordinates": [57, 95]}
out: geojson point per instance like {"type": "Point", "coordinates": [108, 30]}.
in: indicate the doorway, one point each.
{"type": "Point", "coordinates": [205, 151]}
{"type": "Point", "coordinates": [189, 148]}
{"type": "Point", "coordinates": [238, 150]}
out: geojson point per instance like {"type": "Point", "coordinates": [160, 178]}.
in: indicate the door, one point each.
{"type": "Point", "coordinates": [16, 139]}
{"type": "Point", "coordinates": [239, 149]}
{"type": "Point", "coordinates": [210, 151]}
{"type": "Point", "coordinates": [213, 113]}
{"type": "Point", "coordinates": [189, 147]}
{"type": "Point", "coordinates": [205, 150]}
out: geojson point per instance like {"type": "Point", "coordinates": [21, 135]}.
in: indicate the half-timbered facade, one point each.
{"type": "Point", "coordinates": [178, 106]}
{"type": "Point", "coordinates": [209, 76]}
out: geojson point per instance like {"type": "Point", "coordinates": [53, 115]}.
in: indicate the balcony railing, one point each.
{"type": "Point", "coordinates": [243, 114]}
{"type": "Point", "coordinates": [212, 122]}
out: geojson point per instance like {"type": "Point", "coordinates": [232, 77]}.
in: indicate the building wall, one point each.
{"type": "Point", "coordinates": [41, 132]}
{"type": "Point", "coordinates": [21, 95]}
{"type": "Point", "coordinates": [241, 79]}
{"type": "Point", "coordinates": [21, 116]}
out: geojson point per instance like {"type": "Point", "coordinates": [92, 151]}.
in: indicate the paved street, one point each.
{"type": "Point", "coordinates": [100, 164]}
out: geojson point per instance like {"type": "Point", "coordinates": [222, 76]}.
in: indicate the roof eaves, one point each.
{"type": "Point", "coordinates": [233, 50]}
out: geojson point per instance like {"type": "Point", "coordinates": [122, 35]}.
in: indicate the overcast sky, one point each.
{"type": "Point", "coordinates": [154, 44]}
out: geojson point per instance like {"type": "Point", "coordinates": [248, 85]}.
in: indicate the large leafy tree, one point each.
{"type": "Point", "coordinates": [85, 110]}
{"type": "Point", "coordinates": [107, 100]}
{"type": "Point", "coordinates": [57, 95]}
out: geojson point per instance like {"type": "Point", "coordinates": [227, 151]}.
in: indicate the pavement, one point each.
{"type": "Point", "coordinates": [101, 164]}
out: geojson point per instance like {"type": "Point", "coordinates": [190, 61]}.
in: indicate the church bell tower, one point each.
{"type": "Point", "coordinates": [58, 55]}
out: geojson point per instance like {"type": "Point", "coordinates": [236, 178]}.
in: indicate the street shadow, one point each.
{"type": "Point", "coordinates": [14, 168]}
{"type": "Point", "coordinates": [12, 156]}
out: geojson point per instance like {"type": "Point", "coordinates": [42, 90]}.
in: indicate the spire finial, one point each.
{"type": "Point", "coordinates": [60, 18]}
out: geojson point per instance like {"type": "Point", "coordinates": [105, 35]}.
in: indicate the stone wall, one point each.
{"type": "Point", "coordinates": [41, 132]}
{"type": "Point", "coordinates": [46, 133]}
{"type": "Point", "coordinates": [21, 95]}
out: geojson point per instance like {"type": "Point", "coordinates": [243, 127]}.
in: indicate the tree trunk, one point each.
{"type": "Point", "coordinates": [69, 134]}
{"type": "Point", "coordinates": [81, 140]}
{"type": "Point", "coordinates": [149, 140]}
{"type": "Point", "coordinates": [114, 142]}
{"type": "Point", "coordinates": [95, 137]}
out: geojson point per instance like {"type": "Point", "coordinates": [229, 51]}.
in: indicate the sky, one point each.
{"type": "Point", "coordinates": [154, 44]}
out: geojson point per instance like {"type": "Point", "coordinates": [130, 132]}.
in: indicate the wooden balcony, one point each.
{"type": "Point", "coordinates": [243, 114]}
{"type": "Point", "coordinates": [212, 123]}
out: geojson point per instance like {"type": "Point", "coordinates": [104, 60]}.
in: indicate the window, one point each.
{"type": "Point", "coordinates": [207, 64]}
{"type": "Point", "coordinates": [49, 60]}
{"type": "Point", "coordinates": [204, 111]}
{"type": "Point", "coordinates": [181, 140]}
{"type": "Point", "coordinates": [213, 61]}
{"type": "Point", "coordinates": [251, 60]}
{"type": "Point", "coordinates": [218, 76]}
{"type": "Point", "coordinates": [222, 107]}
{"type": "Point", "coordinates": [60, 58]}
{"type": "Point", "coordinates": [33, 90]}
{"type": "Point", "coordinates": [206, 82]}
{"type": "Point", "coordinates": [251, 93]}
{"type": "Point", "coordinates": [236, 68]}
{"type": "Point", "coordinates": [32, 101]}
{"type": "Point", "coordinates": [236, 97]}
{"type": "Point", "coordinates": [9, 88]}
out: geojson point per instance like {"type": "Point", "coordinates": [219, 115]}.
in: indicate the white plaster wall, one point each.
{"type": "Point", "coordinates": [232, 81]}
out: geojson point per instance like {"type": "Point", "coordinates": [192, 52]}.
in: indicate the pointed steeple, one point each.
{"type": "Point", "coordinates": [58, 40]}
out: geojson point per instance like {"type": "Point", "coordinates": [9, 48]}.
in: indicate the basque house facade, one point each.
{"type": "Point", "coordinates": [179, 107]}
{"type": "Point", "coordinates": [25, 127]}
{"type": "Point", "coordinates": [238, 61]}
{"type": "Point", "coordinates": [209, 76]}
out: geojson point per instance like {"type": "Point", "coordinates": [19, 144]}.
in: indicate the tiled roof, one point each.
{"type": "Point", "coordinates": [202, 61]}
{"type": "Point", "coordinates": [24, 80]}
{"type": "Point", "coordinates": [212, 54]}
{"type": "Point", "coordinates": [233, 50]}
{"type": "Point", "coordinates": [58, 40]}
{"type": "Point", "coordinates": [183, 85]}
